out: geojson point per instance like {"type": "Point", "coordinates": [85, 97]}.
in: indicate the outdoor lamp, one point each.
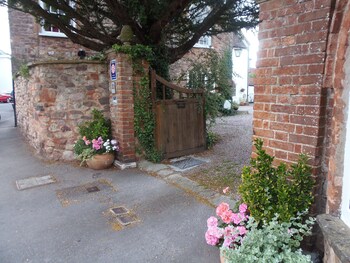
{"type": "Point", "coordinates": [238, 52]}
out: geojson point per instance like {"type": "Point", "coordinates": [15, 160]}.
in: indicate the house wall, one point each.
{"type": "Point", "coordinates": [179, 69]}
{"type": "Point", "coordinates": [55, 99]}
{"type": "Point", "coordinates": [5, 74]}
{"type": "Point", "coordinates": [302, 96]}
{"type": "Point", "coordinates": [28, 46]}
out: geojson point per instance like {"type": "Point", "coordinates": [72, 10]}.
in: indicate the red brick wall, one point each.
{"type": "Point", "coordinates": [290, 98]}
{"type": "Point", "coordinates": [338, 52]}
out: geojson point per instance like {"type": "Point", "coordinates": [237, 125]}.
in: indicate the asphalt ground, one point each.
{"type": "Point", "coordinates": [62, 222]}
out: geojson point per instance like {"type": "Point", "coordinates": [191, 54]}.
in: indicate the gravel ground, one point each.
{"type": "Point", "coordinates": [229, 155]}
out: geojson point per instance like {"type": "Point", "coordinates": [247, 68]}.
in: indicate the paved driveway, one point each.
{"type": "Point", "coordinates": [63, 222]}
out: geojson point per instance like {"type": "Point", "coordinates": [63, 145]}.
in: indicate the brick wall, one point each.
{"type": "Point", "coordinates": [28, 46]}
{"type": "Point", "coordinates": [55, 99]}
{"type": "Point", "coordinates": [290, 98]}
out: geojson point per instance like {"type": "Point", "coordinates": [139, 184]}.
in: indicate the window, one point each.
{"type": "Point", "coordinates": [204, 42]}
{"type": "Point", "coordinates": [49, 29]}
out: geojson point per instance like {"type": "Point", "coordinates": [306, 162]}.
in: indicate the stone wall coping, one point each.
{"type": "Point", "coordinates": [64, 61]}
{"type": "Point", "coordinates": [337, 234]}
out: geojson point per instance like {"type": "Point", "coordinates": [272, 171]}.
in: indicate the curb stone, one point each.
{"type": "Point", "coordinates": [168, 174]}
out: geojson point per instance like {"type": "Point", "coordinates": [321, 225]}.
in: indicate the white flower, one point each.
{"type": "Point", "coordinates": [113, 142]}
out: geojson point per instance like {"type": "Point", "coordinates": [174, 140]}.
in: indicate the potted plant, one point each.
{"type": "Point", "coordinates": [95, 146]}
{"type": "Point", "coordinates": [278, 199]}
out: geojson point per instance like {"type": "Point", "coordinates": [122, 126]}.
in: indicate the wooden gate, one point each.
{"type": "Point", "coordinates": [180, 120]}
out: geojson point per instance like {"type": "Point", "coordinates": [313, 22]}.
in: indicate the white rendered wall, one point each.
{"type": "Point", "coordinates": [240, 68]}
{"type": "Point", "coordinates": [5, 74]}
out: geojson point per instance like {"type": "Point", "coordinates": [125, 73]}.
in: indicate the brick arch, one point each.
{"type": "Point", "coordinates": [338, 52]}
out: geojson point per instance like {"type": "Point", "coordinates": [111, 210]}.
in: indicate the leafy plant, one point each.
{"type": "Point", "coordinates": [212, 139]}
{"type": "Point", "coordinates": [144, 121]}
{"type": "Point", "coordinates": [94, 138]}
{"type": "Point", "coordinates": [24, 71]}
{"type": "Point", "coordinates": [268, 190]}
{"type": "Point", "coordinates": [213, 73]}
{"type": "Point", "coordinates": [272, 242]}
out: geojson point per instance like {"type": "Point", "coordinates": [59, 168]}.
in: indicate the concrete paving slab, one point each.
{"type": "Point", "coordinates": [165, 173]}
{"type": "Point", "coordinates": [34, 182]}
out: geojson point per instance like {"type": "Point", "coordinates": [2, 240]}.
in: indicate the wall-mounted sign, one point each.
{"type": "Point", "coordinates": [113, 69]}
{"type": "Point", "coordinates": [114, 100]}
{"type": "Point", "coordinates": [112, 88]}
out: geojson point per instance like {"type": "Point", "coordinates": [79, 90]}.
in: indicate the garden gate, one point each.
{"type": "Point", "coordinates": [180, 120]}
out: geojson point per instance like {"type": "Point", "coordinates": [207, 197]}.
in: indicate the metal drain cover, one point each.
{"type": "Point", "coordinates": [187, 163]}
{"type": "Point", "coordinates": [126, 219]}
{"type": "Point", "coordinates": [119, 210]}
{"type": "Point", "coordinates": [92, 189]}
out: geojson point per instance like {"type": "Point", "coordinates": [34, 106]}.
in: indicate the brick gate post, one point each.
{"type": "Point", "coordinates": [121, 97]}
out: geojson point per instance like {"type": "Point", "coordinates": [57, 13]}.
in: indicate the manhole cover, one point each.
{"type": "Point", "coordinates": [92, 189]}
{"type": "Point", "coordinates": [119, 210]}
{"type": "Point", "coordinates": [127, 219]}
{"type": "Point", "coordinates": [187, 163]}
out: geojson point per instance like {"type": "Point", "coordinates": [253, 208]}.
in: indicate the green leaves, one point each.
{"type": "Point", "coordinates": [267, 189]}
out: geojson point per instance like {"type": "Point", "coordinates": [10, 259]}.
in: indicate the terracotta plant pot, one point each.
{"type": "Point", "coordinates": [101, 161]}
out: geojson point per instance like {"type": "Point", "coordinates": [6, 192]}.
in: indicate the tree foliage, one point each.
{"type": "Point", "coordinates": [172, 25]}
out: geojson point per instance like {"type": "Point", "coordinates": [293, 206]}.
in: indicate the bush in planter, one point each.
{"type": "Point", "coordinates": [95, 138]}
{"type": "Point", "coordinates": [269, 190]}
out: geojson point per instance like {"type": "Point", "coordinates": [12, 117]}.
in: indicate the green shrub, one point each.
{"type": "Point", "coordinates": [268, 190]}
{"type": "Point", "coordinates": [98, 126]}
{"type": "Point", "coordinates": [272, 242]}
{"type": "Point", "coordinates": [212, 139]}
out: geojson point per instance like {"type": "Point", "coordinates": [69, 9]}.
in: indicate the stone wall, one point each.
{"type": "Point", "coordinates": [55, 99]}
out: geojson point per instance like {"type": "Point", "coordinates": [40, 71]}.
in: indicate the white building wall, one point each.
{"type": "Point", "coordinates": [240, 71]}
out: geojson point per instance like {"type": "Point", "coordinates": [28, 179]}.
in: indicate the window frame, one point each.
{"type": "Point", "coordinates": [200, 45]}
{"type": "Point", "coordinates": [44, 32]}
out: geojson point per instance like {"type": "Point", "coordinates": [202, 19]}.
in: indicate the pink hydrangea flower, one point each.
{"type": "Point", "coordinates": [237, 218]}
{"type": "Point", "coordinates": [216, 232]}
{"type": "Point", "coordinates": [227, 216]}
{"type": "Point", "coordinates": [242, 230]}
{"type": "Point", "coordinates": [243, 208]}
{"type": "Point", "coordinates": [211, 240]}
{"type": "Point", "coordinates": [96, 145]}
{"type": "Point", "coordinates": [212, 222]}
{"type": "Point", "coordinates": [222, 208]}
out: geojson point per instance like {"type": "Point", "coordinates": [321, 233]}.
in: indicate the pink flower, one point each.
{"type": "Point", "coordinates": [96, 145]}
{"type": "Point", "coordinates": [227, 216]}
{"type": "Point", "coordinates": [227, 242]}
{"type": "Point", "coordinates": [216, 232]}
{"type": "Point", "coordinates": [242, 230]}
{"type": "Point", "coordinates": [222, 208]}
{"type": "Point", "coordinates": [211, 240]}
{"type": "Point", "coordinates": [237, 218]}
{"type": "Point", "coordinates": [226, 190]}
{"type": "Point", "coordinates": [243, 208]}
{"type": "Point", "coordinates": [212, 222]}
